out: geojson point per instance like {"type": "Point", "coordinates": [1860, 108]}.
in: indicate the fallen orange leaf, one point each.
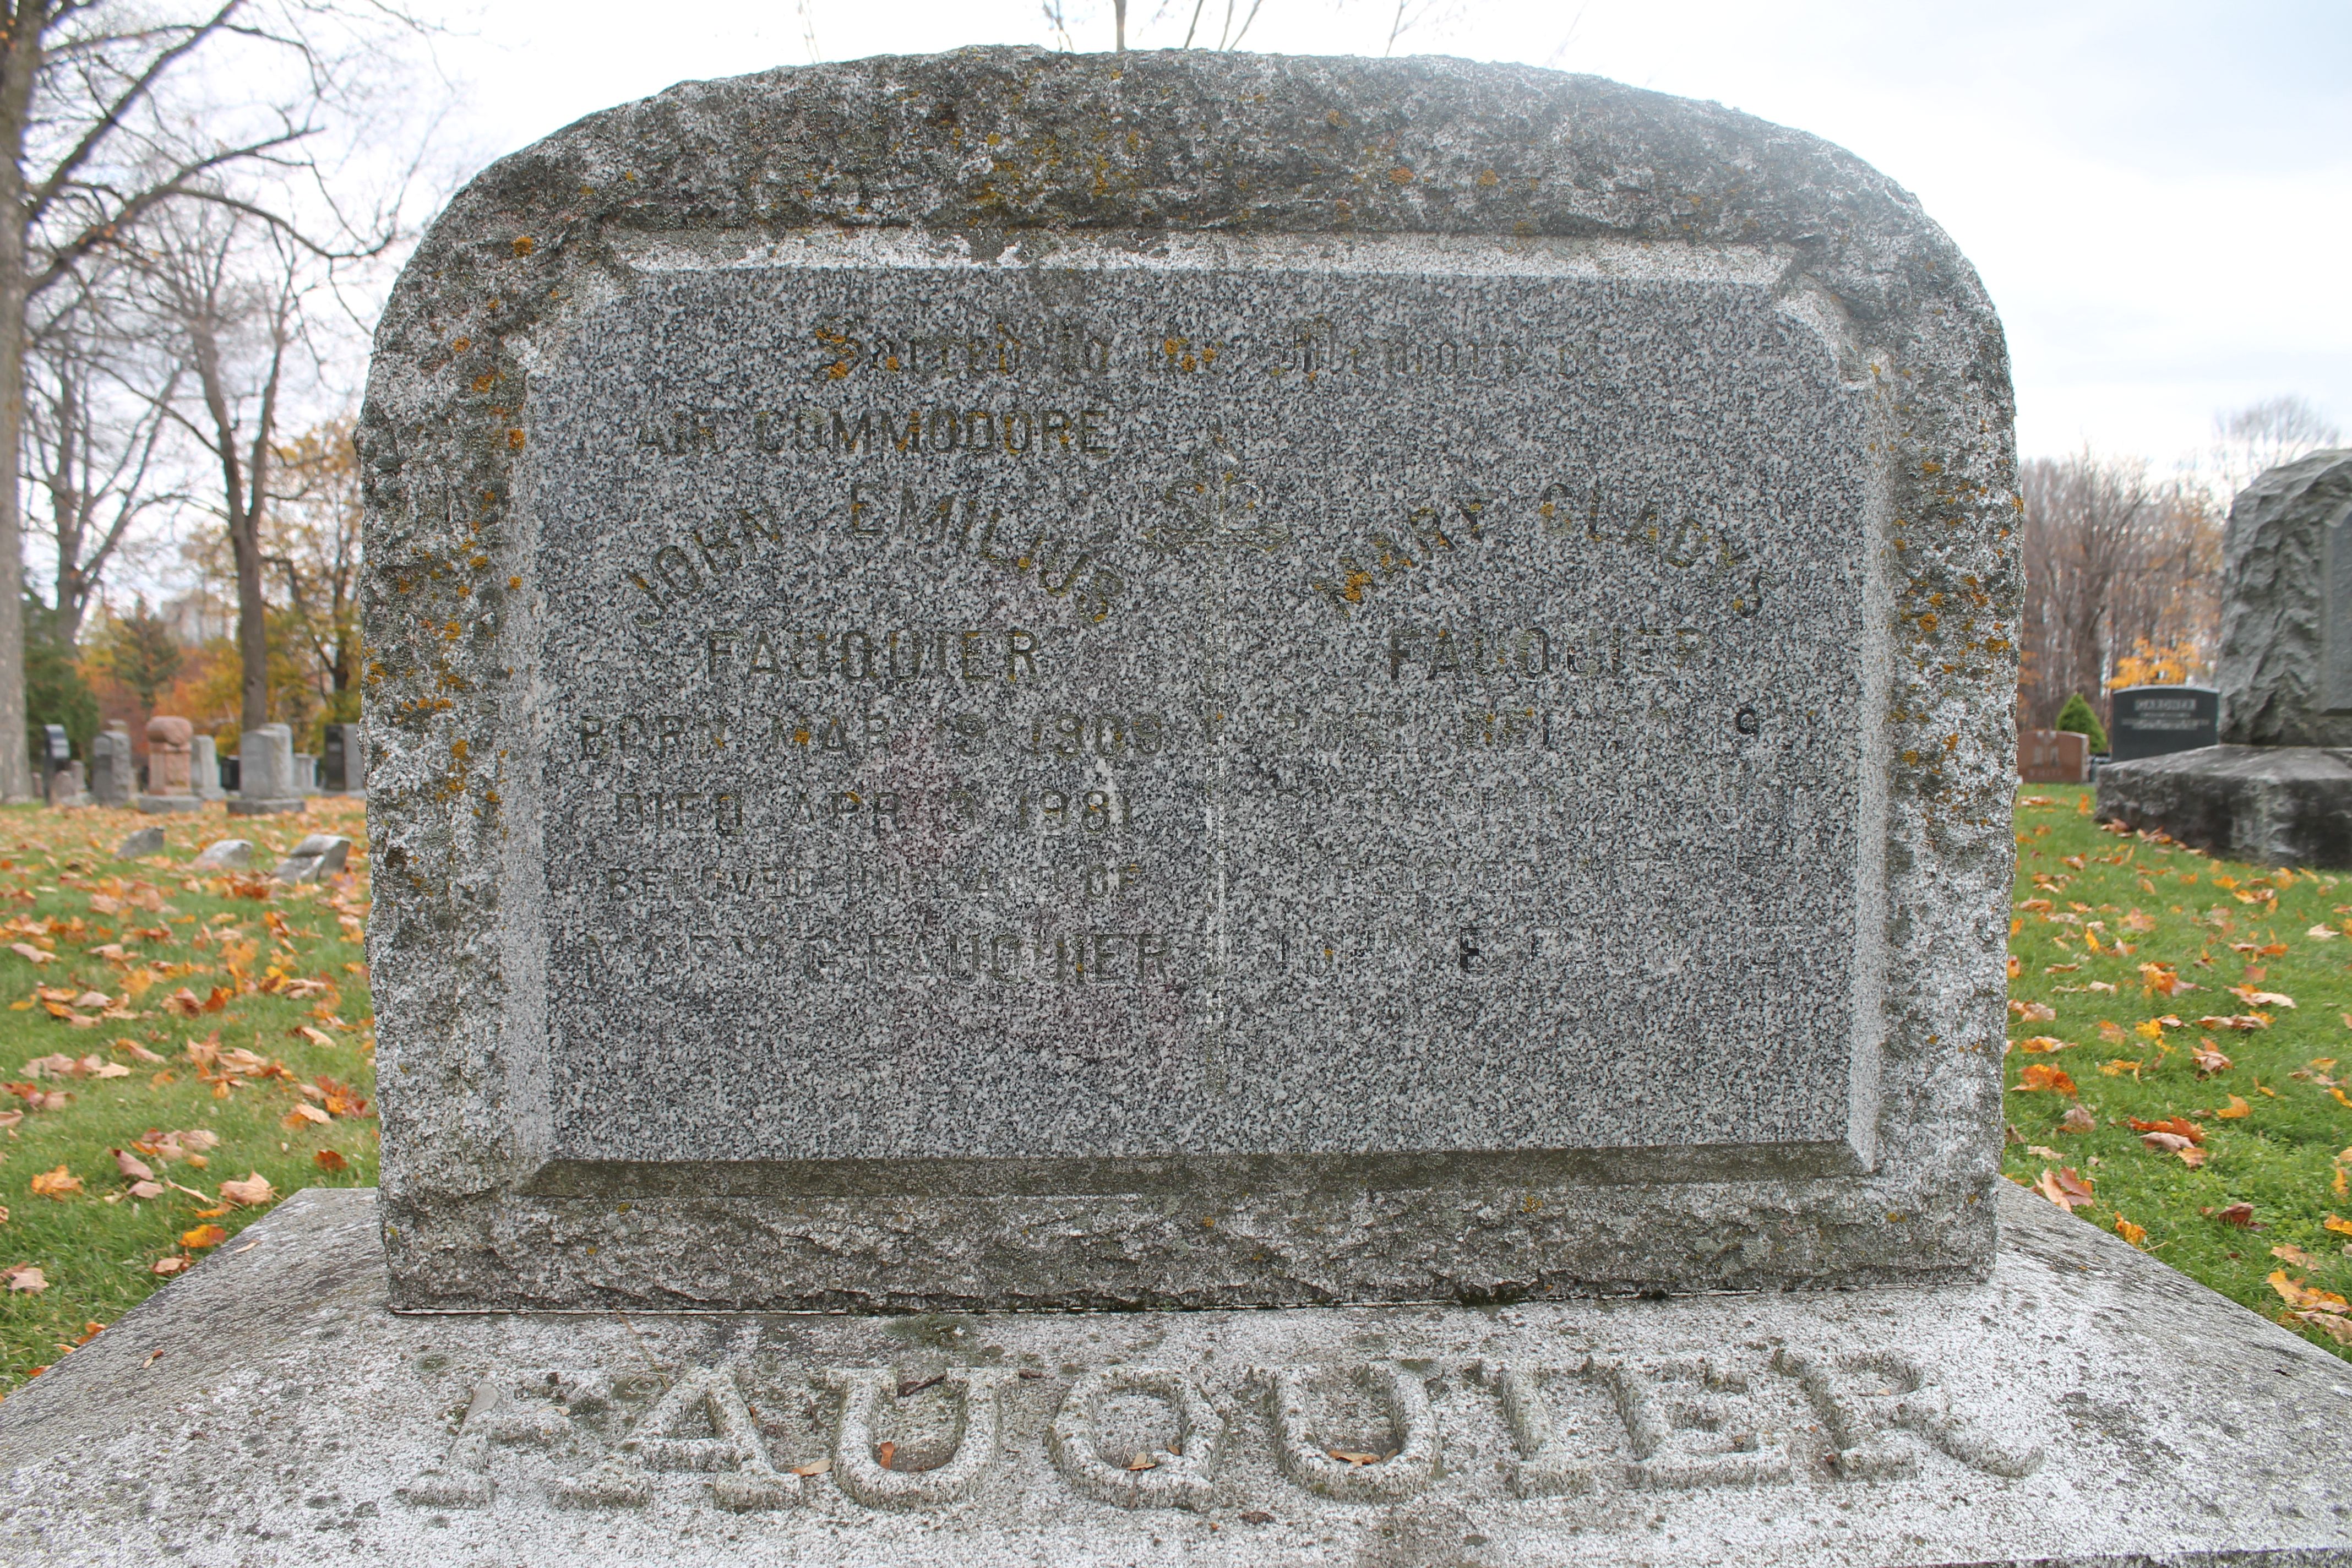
{"type": "Point", "coordinates": [203, 1236]}
{"type": "Point", "coordinates": [58, 1183]}
{"type": "Point", "coordinates": [2040, 1076]}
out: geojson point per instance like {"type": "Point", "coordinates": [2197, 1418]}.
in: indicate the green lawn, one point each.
{"type": "Point", "coordinates": [210, 981]}
{"type": "Point", "coordinates": [2127, 955]}
{"type": "Point", "coordinates": [2120, 946]}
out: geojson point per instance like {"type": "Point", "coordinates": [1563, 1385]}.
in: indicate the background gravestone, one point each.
{"type": "Point", "coordinates": [2053, 756]}
{"type": "Point", "coordinates": [65, 786]}
{"type": "Point", "coordinates": [169, 784]}
{"type": "Point", "coordinates": [2154, 721]}
{"type": "Point", "coordinates": [2278, 788]}
{"type": "Point", "coordinates": [52, 752]}
{"type": "Point", "coordinates": [204, 767]}
{"type": "Point", "coordinates": [1170, 694]}
{"type": "Point", "coordinates": [2285, 665]}
{"type": "Point", "coordinates": [113, 781]}
{"type": "Point", "coordinates": [266, 773]}
{"type": "Point", "coordinates": [343, 760]}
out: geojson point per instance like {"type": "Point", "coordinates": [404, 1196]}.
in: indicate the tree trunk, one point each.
{"type": "Point", "coordinates": [19, 64]}
{"type": "Point", "coordinates": [252, 629]}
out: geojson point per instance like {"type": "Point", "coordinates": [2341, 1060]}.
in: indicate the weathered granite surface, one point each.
{"type": "Point", "coordinates": [1016, 679]}
{"type": "Point", "coordinates": [2085, 1405]}
{"type": "Point", "coordinates": [2285, 665]}
{"type": "Point", "coordinates": [2276, 805]}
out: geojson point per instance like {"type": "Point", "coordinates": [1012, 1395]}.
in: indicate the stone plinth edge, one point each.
{"type": "Point", "coordinates": [2276, 806]}
{"type": "Point", "coordinates": [2084, 1404]}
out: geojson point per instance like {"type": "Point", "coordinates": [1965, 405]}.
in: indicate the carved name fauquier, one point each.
{"type": "Point", "coordinates": [1680, 1423]}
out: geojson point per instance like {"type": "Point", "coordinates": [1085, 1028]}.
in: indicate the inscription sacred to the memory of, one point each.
{"type": "Point", "coordinates": [1185, 709]}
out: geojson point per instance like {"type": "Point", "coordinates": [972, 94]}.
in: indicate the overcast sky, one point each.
{"type": "Point", "coordinates": [2160, 196]}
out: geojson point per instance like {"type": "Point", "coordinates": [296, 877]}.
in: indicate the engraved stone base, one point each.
{"type": "Point", "coordinates": [239, 806]}
{"type": "Point", "coordinates": [169, 805]}
{"type": "Point", "coordinates": [2276, 805]}
{"type": "Point", "coordinates": [2087, 1404]}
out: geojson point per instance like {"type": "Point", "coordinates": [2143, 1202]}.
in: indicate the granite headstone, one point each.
{"type": "Point", "coordinates": [343, 760]}
{"type": "Point", "coordinates": [66, 786]}
{"type": "Point", "coordinates": [52, 752]}
{"type": "Point", "coordinates": [204, 767]}
{"type": "Point", "coordinates": [2060, 1396]}
{"type": "Point", "coordinates": [1015, 767]}
{"type": "Point", "coordinates": [2154, 721]}
{"type": "Point", "coordinates": [266, 772]}
{"type": "Point", "coordinates": [112, 779]}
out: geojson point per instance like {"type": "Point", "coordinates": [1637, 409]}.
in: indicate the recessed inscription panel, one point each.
{"type": "Point", "coordinates": [1081, 713]}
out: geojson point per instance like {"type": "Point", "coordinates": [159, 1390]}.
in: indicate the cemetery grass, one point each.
{"type": "Point", "coordinates": [276, 971]}
{"type": "Point", "coordinates": [2114, 935]}
{"type": "Point", "coordinates": [2200, 1012]}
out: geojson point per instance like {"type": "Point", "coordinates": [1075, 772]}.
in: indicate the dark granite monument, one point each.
{"type": "Point", "coordinates": [2155, 721]}
{"type": "Point", "coordinates": [2278, 786]}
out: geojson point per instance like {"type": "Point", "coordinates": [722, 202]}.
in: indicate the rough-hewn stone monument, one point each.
{"type": "Point", "coordinates": [2278, 788]}
{"type": "Point", "coordinates": [1019, 680]}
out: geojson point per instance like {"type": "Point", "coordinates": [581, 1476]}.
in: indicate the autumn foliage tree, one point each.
{"type": "Point", "coordinates": [140, 652]}
{"type": "Point", "coordinates": [2114, 556]}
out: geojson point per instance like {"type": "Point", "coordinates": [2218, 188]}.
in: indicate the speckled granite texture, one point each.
{"type": "Point", "coordinates": [2285, 668]}
{"type": "Point", "coordinates": [2085, 1404]}
{"type": "Point", "coordinates": [1016, 679]}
